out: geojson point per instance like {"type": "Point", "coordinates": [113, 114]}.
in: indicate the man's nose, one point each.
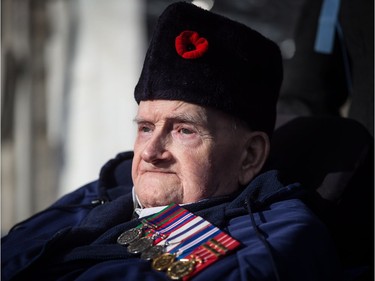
{"type": "Point", "coordinates": [156, 148]}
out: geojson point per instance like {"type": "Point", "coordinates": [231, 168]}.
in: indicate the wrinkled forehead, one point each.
{"type": "Point", "coordinates": [180, 111]}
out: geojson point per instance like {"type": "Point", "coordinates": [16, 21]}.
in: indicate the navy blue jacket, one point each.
{"type": "Point", "coordinates": [75, 238]}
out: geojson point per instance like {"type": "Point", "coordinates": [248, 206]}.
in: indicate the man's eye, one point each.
{"type": "Point", "coordinates": [186, 131]}
{"type": "Point", "coordinates": [145, 129]}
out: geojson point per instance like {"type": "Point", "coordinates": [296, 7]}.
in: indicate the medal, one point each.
{"type": "Point", "coordinates": [180, 269]}
{"type": "Point", "coordinates": [129, 236]}
{"type": "Point", "coordinates": [154, 229]}
{"type": "Point", "coordinates": [144, 243]}
{"type": "Point", "coordinates": [140, 245]}
{"type": "Point", "coordinates": [153, 252]}
{"type": "Point", "coordinates": [177, 242]}
{"type": "Point", "coordinates": [163, 262]}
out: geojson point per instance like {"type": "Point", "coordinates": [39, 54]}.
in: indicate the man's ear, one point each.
{"type": "Point", "coordinates": [254, 155]}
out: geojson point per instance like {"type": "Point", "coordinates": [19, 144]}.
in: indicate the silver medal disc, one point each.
{"type": "Point", "coordinates": [140, 245]}
{"type": "Point", "coordinates": [129, 236]}
{"type": "Point", "coordinates": [152, 252]}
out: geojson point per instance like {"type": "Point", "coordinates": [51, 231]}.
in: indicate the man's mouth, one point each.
{"type": "Point", "coordinates": [157, 171]}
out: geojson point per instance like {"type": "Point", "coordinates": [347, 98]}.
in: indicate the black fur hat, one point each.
{"type": "Point", "coordinates": [203, 58]}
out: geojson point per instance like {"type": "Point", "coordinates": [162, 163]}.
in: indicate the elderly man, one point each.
{"type": "Point", "coordinates": [207, 97]}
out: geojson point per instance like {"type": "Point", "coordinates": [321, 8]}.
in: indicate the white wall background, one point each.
{"type": "Point", "coordinates": [95, 122]}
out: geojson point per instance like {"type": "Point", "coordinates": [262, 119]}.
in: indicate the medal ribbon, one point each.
{"type": "Point", "coordinates": [173, 225]}
{"type": "Point", "coordinates": [192, 240]}
{"type": "Point", "coordinates": [195, 239]}
{"type": "Point", "coordinates": [184, 232]}
{"type": "Point", "coordinates": [209, 252]}
{"type": "Point", "coordinates": [168, 220]}
{"type": "Point", "coordinates": [167, 215]}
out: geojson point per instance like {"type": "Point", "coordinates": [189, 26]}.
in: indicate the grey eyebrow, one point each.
{"type": "Point", "coordinates": [138, 120]}
{"type": "Point", "coordinates": [180, 118]}
{"type": "Point", "coordinates": [187, 118]}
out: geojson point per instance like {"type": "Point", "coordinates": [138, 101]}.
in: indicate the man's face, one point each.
{"type": "Point", "coordinates": [184, 153]}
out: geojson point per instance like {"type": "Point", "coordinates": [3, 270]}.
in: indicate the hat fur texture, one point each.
{"type": "Point", "coordinates": [203, 58]}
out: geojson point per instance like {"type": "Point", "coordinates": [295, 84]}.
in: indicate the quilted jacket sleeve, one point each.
{"type": "Point", "coordinates": [26, 240]}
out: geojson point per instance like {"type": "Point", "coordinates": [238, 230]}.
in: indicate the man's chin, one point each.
{"type": "Point", "coordinates": [151, 195]}
{"type": "Point", "coordinates": [150, 203]}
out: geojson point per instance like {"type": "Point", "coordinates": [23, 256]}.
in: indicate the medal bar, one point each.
{"type": "Point", "coordinates": [178, 242]}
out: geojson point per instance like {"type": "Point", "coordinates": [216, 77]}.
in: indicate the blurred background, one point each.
{"type": "Point", "coordinates": [69, 68]}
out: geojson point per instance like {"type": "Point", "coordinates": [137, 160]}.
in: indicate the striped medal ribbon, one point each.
{"type": "Point", "coordinates": [183, 242]}
{"type": "Point", "coordinates": [164, 223]}
{"type": "Point", "coordinates": [178, 242]}
{"type": "Point", "coordinates": [203, 256]}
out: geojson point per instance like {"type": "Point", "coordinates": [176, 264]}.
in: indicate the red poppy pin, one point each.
{"type": "Point", "coordinates": [190, 46]}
